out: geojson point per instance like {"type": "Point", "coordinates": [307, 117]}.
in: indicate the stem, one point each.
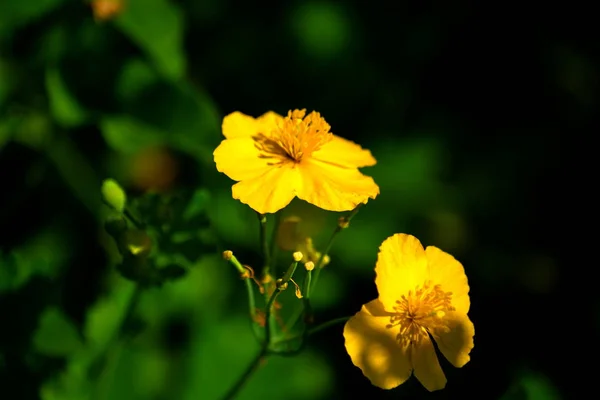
{"type": "Point", "coordinates": [342, 224]}
{"type": "Point", "coordinates": [133, 220]}
{"type": "Point", "coordinates": [259, 357]}
{"type": "Point", "coordinates": [273, 253]}
{"type": "Point", "coordinates": [249, 289]}
{"type": "Point", "coordinates": [246, 375]}
{"type": "Point", "coordinates": [327, 324]}
{"type": "Point", "coordinates": [264, 245]}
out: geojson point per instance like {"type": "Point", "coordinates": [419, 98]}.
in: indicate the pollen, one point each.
{"type": "Point", "coordinates": [295, 138]}
{"type": "Point", "coordinates": [419, 311]}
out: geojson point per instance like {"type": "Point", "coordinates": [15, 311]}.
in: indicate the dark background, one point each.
{"type": "Point", "coordinates": [469, 109]}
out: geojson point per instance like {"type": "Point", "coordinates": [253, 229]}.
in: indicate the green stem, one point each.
{"type": "Point", "coordinates": [264, 245]}
{"type": "Point", "coordinates": [133, 220]}
{"type": "Point", "coordinates": [249, 289]}
{"type": "Point", "coordinates": [342, 224]}
{"type": "Point", "coordinates": [274, 248]}
{"type": "Point", "coordinates": [259, 357]}
{"type": "Point", "coordinates": [327, 324]}
{"type": "Point", "coordinates": [246, 375]}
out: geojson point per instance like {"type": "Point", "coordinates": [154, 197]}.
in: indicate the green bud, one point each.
{"type": "Point", "coordinates": [114, 195]}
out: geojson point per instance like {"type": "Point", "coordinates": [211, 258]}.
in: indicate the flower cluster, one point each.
{"type": "Point", "coordinates": [423, 292]}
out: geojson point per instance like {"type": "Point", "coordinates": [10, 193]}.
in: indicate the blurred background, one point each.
{"type": "Point", "coordinates": [463, 106]}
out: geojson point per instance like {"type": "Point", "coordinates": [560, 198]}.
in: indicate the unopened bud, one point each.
{"type": "Point", "coordinates": [227, 255]}
{"type": "Point", "coordinates": [325, 261]}
{"type": "Point", "coordinates": [309, 266]}
{"type": "Point", "coordinates": [297, 256]}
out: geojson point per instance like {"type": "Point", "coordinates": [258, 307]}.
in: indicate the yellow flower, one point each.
{"type": "Point", "coordinates": [422, 293]}
{"type": "Point", "coordinates": [275, 159]}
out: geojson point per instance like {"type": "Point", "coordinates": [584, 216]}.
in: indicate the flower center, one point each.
{"type": "Point", "coordinates": [296, 137]}
{"type": "Point", "coordinates": [420, 311]}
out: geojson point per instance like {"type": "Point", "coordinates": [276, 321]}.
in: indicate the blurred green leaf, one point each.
{"type": "Point", "coordinates": [114, 195]}
{"type": "Point", "coordinates": [531, 385]}
{"type": "Point", "coordinates": [126, 135]}
{"type": "Point", "coordinates": [105, 316]}
{"type": "Point", "coordinates": [63, 106]}
{"type": "Point", "coordinates": [7, 84]}
{"type": "Point", "coordinates": [56, 335]}
{"type": "Point", "coordinates": [43, 255]}
{"type": "Point", "coordinates": [157, 27]}
{"type": "Point", "coordinates": [18, 13]}
{"type": "Point", "coordinates": [323, 29]}
{"type": "Point", "coordinates": [221, 353]}
{"type": "Point", "coordinates": [136, 76]}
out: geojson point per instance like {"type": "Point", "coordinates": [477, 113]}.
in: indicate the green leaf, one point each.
{"type": "Point", "coordinates": [136, 76]}
{"type": "Point", "coordinates": [215, 367]}
{"type": "Point", "coordinates": [114, 195]}
{"type": "Point", "coordinates": [56, 334]}
{"type": "Point", "coordinates": [129, 136]}
{"type": "Point", "coordinates": [43, 255]}
{"type": "Point", "coordinates": [63, 106]}
{"type": "Point", "coordinates": [18, 13]}
{"type": "Point", "coordinates": [156, 26]}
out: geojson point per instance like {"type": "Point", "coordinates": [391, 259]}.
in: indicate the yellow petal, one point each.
{"type": "Point", "coordinates": [401, 266]}
{"type": "Point", "coordinates": [239, 159]}
{"type": "Point", "coordinates": [374, 349]}
{"type": "Point", "coordinates": [456, 342]}
{"type": "Point", "coordinates": [345, 153]}
{"type": "Point", "coordinates": [427, 367]}
{"type": "Point", "coordinates": [238, 124]}
{"type": "Point", "coordinates": [268, 121]}
{"type": "Point", "coordinates": [270, 192]}
{"type": "Point", "coordinates": [448, 272]}
{"type": "Point", "coordinates": [334, 188]}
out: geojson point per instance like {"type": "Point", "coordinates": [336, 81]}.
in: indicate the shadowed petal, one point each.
{"type": "Point", "coordinates": [270, 192]}
{"type": "Point", "coordinates": [427, 367]}
{"type": "Point", "coordinates": [335, 188]}
{"type": "Point", "coordinates": [455, 342]}
{"type": "Point", "coordinates": [374, 349]}
{"type": "Point", "coordinates": [445, 270]}
{"type": "Point", "coordinates": [401, 266]}
{"type": "Point", "coordinates": [239, 159]}
{"type": "Point", "coordinates": [344, 153]}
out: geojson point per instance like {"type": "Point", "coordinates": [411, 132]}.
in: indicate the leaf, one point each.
{"type": "Point", "coordinates": [156, 26]}
{"type": "Point", "coordinates": [43, 255]}
{"type": "Point", "coordinates": [56, 335]}
{"type": "Point", "coordinates": [63, 106]}
{"type": "Point", "coordinates": [18, 13]}
{"type": "Point", "coordinates": [126, 135]}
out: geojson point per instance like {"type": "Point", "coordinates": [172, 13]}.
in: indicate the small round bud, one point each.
{"type": "Point", "coordinates": [297, 256]}
{"type": "Point", "coordinates": [326, 260]}
{"type": "Point", "coordinates": [309, 266]}
{"type": "Point", "coordinates": [228, 255]}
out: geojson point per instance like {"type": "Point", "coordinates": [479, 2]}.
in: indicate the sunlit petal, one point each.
{"type": "Point", "coordinates": [335, 188]}
{"type": "Point", "coordinates": [345, 153]}
{"type": "Point", "coordinates": [455, 341]}
{"type": "Point", "coordinates": [427, 367]}
{"type": "Point", "coordinates": [270, 192]}
{"type": "Point", "coordinates": [445, 270]}
{"type": "Point", "coordinates": [373, 347]}
{"type": "Point", "coordinates": [239, 159]}
{"type": "Point", "coordinates": [238, 124]}
{"type": "Point", "coordinates": [401, 266]}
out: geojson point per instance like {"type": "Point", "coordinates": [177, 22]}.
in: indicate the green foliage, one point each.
{"type": "Point", "coordinates": [66, 110]}
{"type": "Point", "coordinates": [156, 26]}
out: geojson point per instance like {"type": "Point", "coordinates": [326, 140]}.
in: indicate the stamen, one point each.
{"type": "Point", "coordinates": [296, 137]}
{"type": "Point", "coordinates": [420, 311]}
